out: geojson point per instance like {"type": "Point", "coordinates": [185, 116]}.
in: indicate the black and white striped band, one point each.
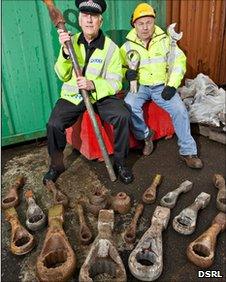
{"type": "Point", "coordinates": [90, 4]}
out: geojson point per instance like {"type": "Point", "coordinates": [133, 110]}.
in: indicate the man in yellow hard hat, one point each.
{"type": "Point", "coordinates": [99, 59]}
{"type": "Point", "coordinates": [159, 75]}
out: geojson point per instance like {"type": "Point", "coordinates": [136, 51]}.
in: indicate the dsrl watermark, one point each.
{"type": "Point", "coordinates": [209, 274]}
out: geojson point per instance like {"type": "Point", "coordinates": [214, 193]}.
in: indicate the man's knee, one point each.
{"type": "Point", "coordinates": [180, 111]}
{"type": "Point", "coordinates": [55, 124]}
{"type": "Point", "coordinates": [122, 117]}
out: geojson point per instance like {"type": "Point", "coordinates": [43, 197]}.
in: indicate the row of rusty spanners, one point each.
{"type": "Point", "coordinates": [57, 258]}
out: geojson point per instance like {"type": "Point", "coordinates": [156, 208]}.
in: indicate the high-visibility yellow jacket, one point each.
{"type": "Point", "coordinates": [156, 64]}
{"type": "Point", "coordinates": [104, 69]}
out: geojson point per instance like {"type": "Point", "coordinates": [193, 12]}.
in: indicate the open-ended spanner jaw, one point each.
{"type": "Point", "coordinates": [146, 260]}
{"type": "Point", "coordinates": [185, 222]}
{"type": "Point", "coordinates": [172, 33]}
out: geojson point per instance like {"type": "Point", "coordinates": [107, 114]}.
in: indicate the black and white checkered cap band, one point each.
{"type": "Point", "coordinates": [90, 4]}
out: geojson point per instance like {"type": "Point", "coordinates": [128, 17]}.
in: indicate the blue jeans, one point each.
{"type": "Point", "coordinates": [176, 109]}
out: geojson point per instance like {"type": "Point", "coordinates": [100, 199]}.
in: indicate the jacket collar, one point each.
{"type": "Point", "coordinates": [157, 35]}
{"type": "Point", "coordinates": [98, 42]}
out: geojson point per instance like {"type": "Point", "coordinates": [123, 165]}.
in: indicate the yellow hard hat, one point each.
{"type": "Point", "coordinates": [142, 10]}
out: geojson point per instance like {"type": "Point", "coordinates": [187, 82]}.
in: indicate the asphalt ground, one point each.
{"type": "Point", "coordinates": [31, 160]}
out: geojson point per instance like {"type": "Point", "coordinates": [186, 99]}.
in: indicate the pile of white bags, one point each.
{"type": "Point", "coordinates": [204, 100]}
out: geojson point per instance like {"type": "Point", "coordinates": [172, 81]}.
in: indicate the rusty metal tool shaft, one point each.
{"type": "Point", "coordinates": [219, 183]}
{"type": "Point", "coordinates": [130, 234]}
{"type": "Point", "coordinates": [202, 250]}
{"type": "Point", "coordinates": [59, 22]}
{"type": "Point", "coordinates": [58, 196]}
{"type": "Point", "coordinates": [84, 231]}
{"type": "Point", "coordinates": [150, 194]}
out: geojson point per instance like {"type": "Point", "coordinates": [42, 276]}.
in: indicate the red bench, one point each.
{"type": "Point", "coordinates": [82, 137]}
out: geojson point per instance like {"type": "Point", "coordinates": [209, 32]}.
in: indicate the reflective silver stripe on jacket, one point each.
{"type": "Point", "coordinates": [93, 71]}
{"type": "Point", "coordinates": [152, 61]}
{"type": "Point", "coordinates": [70, 88]}
{"type": "Point", "coordinates": [178, 69]}
{"type": "Point", "coordinates": [57, 70]}
{"type": "Point", "coordinates": [127, 46]}
{"type": "Point", "coordinates": [113, 76]}
{"type": "Point", "coordinates": [107, 61]}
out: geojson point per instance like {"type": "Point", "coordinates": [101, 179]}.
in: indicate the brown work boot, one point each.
{"type": "Point", "coordinates": [192, 161]}
{"type": "Point", "coordinates": [148, 144]}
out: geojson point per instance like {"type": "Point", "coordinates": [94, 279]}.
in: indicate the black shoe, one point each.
{"type": "Point", "coordinates": [52, 174]}
{"type": "Point", "coordinates": [123, 173]}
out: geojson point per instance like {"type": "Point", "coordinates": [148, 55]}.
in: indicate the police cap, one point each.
{"type": "Point", "coordinates": [91, 6]}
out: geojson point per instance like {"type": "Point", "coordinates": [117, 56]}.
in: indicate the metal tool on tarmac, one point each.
{"type": "Point", "coordinates": [149, 194]}
{"type": "Point", "coordinates": [56, 261]}
{"type": "Point", "coordinates": [130, 233]}
{"type": "Point", "coordinates": [103, 262]}
{"type": "Point", "coordinates": [85, 234]}
{"type": "Point", "coordinates": [59, 22]}
{"type": "Point", "coordinates": [11, 199]}
{"type": "Point", "coordinates": [58, 196]}
{"type": "Point", "coordinates": [185, 222]}
{"type": "Point", "coordinates": [22, 241]}
{"type": "Point", "coordinates": [146, 260]}
{"type": "Point", "coordinates": [133, 60]}
{"type": "Point", "coordinates": [219, 183]}
{"type": "Point", "coordinates": [36, 219]}
{"type": "Point", "coordinates": [170, 199]}
{"type": "Point", "coordinates": [202, 250]}
{"type": "Point", "coordinates": [121, 203]}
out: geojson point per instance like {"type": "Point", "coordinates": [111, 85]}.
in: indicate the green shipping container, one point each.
{"type": "Point", "coordinates": [30, 47]}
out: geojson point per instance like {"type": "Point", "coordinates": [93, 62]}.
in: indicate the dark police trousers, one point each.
{"type": "Point", "coordinates": [110, 109]}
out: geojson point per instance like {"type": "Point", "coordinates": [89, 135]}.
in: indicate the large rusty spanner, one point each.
{"type": "Point", "coordinates": [103, 260]}
{"type": "Point", "coordinates": [149, 194]}
{"type": "Point", "coordinates": [57, 260]}
{"type": "Point", "coordinates": [202, 250]}
{"type": "Point", "coordinates": [85, 234]}
{"type": "Point", "coordinates": [146, 260]}
{"type": "Point", "coordinates": [133, 60]}
{"type": "Point", "coordinates": [36, 219]}
{"type": "Point", "coordinates": [170, 199]}
{"type": "Point", "coordinates": [130, 233]}
{"type": "Point", "coordinates": [185, 222]}
{"type": "Point", "coordinates": [22, 241]}
{"type": "Point", "coordinates": [11, 199]}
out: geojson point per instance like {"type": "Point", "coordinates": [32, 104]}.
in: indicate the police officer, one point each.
{"type": "Point", "coordinates": [157, 83]}
{"type": "Point", "coordinates": [99, 58]}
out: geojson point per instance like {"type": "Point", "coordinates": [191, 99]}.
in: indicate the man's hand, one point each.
{"type": "Point", "coordinates": [63, 37]}
{"type": "Point", "coordinates": [168, 92]}
{"type": "Point", "coordinates": [85, 84]}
